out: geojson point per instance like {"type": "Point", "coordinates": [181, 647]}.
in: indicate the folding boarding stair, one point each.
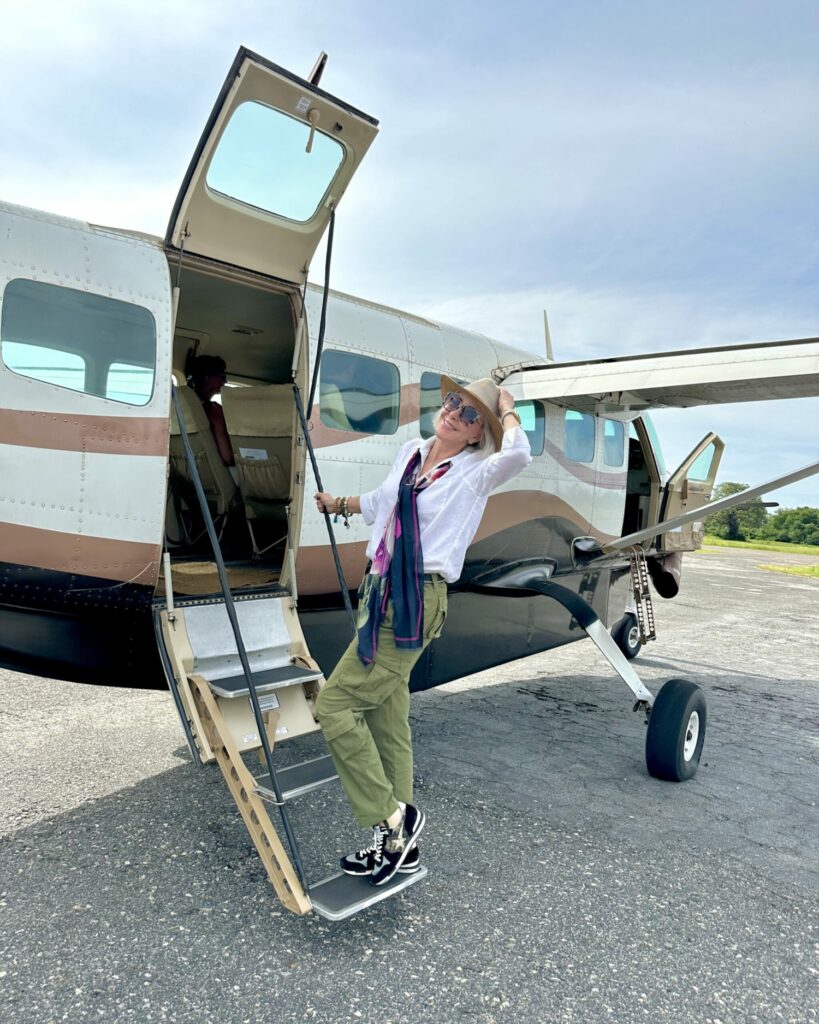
{"type": "Point", "coordinates": [203, 665]}
{"type": "Point", "coordinates": [243, 679]}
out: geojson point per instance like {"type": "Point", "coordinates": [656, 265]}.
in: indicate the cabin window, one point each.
{"type": "Point", "coordinates": [358, 393]}
{"type": "Point", "coordinates": [261, 160]}
{"type": "Point", "coordinates": [78, 340]}
{"type": "Point", "coordinates": [614, 443]}
{"type": "Point", "coordinates": [579, 433]}
{"type": "Point", "coordinates": [533, 420]}
{"type": "Point", "coordinates": [65, 369]}
{"type": "Point", "coordinates": [430, 401]}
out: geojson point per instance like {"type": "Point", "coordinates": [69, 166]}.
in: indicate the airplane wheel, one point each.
{"type": "Point", "coordinates": [676, 731]}
{"type": "Point", "coordinates": [626, 634]}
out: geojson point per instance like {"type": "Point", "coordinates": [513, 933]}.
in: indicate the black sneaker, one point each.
{"type": "Point", "coordinates": [397, 845]}
{"type": "Point", "coordinates": [363, 862]}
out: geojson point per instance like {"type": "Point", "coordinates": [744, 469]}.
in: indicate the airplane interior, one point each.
{"type": "Point", "coordinates": [252, 327]}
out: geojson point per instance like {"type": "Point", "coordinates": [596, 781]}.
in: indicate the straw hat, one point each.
{"type": "Point", "coordinates": [484, 394]}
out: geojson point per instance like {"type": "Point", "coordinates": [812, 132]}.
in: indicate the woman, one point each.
{"type": "Point", "coordinates": [424, 516]}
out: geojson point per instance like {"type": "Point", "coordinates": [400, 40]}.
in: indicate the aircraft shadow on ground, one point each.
{"type": "Point", "coordinates": [536, 746]}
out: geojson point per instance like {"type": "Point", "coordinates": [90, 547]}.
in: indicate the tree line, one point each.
{"type": "Point", "coordinates": [752, 521]}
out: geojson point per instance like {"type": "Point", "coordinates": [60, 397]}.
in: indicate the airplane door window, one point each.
{"type": "Point", "coordinates": [262, 160]}
{"type": "Point", "coordinates": [79, 340]}
{"type": "Point", "coordinates": [701, 469]}
{"type": "Point", "coordinates": [358, 393]}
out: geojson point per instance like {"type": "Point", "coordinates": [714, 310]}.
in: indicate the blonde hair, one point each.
{"type": "Point", "coordinates": [485, 447]}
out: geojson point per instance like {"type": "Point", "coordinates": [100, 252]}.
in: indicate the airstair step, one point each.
{"type": "Point", "coordinates": [298, 778]}
{"type": "Point", "coordinates": [341, 895]}
{"type": "Point", "coordinates": [264, 681]}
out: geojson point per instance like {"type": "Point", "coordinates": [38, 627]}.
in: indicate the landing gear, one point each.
{"type": "Point", "coordinates": [626, 634]}
{"type": "Point", "coordinates": [676, 731]}
{"type": "Point", "coordinates": [676, 718]}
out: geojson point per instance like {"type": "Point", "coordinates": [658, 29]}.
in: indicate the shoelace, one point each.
{"type": "Point", "coordinates": [376, 847]}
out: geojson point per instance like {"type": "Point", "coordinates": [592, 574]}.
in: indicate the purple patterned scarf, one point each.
{"type": "Point", "coordinates": [397, 570]}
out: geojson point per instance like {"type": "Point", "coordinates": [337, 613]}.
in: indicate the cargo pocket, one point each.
{"type": "Point", "coordinates": [434, 622]}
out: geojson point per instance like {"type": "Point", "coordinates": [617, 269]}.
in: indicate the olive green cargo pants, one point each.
{"type": "Point", "coordinates": [364, 714]}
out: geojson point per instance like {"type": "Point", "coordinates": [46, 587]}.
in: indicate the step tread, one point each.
{"type": "Point", "coordinates": [299, 778]}
{"type": "Point", "coordinates": [341, 895]}
{"type": "Point", "coordinates": [264, 681]}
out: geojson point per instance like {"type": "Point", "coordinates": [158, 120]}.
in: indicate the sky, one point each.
{"type": "Point", "coordinates": [645, 171]}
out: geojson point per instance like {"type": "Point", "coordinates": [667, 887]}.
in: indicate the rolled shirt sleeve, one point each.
{"type": "Point", "coordinates": [514, 455]}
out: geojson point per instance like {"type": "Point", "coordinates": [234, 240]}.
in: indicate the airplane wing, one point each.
{"type": "Point", "coordinates": [624, 387]}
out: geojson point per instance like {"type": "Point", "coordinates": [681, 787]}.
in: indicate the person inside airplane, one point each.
{"type": "Point", "coordinates": [207, 377]}
{"type": "Point", "coordinates": [424, 516]}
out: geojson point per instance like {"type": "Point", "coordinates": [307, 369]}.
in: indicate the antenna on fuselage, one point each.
{"type": "Point", "coordinates": [549, 353]}
{"type": "Point", "coordinates": [318, 69]}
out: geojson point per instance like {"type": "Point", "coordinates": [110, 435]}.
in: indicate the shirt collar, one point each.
{"type": "Point", "coordinates": [425, 448]}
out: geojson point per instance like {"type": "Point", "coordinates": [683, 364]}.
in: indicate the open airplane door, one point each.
{"type": "Point", "coordinates": [273, 161]}
{"type": "Point", "coordinates": [690, 487]}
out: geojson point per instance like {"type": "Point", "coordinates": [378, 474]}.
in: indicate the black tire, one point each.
{"type": "Point", "coordinates": [675, 736]}
{"type": "Point", "coordinates": [626, 634]}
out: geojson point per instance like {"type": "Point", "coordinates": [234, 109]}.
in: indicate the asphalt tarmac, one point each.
{"type": "Point", "coordinates": [565, 884]}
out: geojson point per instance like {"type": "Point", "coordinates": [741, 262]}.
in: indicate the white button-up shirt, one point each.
{"type": "Point", "coordinates": [450, 509]}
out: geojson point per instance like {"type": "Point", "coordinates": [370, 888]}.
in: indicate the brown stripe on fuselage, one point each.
{"type": "Point", "coordinates": [122, 560]}
{"type": "Point", "coordinates": [511, 508]}
{"type": "Point", "coordinates": [105, 435]}
{"type": "Point", "coordinates": [315, 570]}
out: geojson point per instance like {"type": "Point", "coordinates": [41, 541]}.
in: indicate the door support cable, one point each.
{"type": "Point", "coordinates": [323, 319]}
{"type": "Point", "coordinates": [305, 416]}
{"type": "Point", "coordinates": [345, 592]}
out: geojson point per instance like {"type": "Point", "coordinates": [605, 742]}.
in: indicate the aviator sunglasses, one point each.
{"type": "Point", "coordinates": [468, 413]}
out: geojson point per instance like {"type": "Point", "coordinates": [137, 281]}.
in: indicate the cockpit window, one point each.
{"type": "Point", "coordinates": [656, 447]}
{"type": "Point", "coordinates": [262, 160]}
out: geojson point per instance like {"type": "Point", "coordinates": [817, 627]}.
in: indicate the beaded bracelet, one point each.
{"type": "Point", "coordinates": [342, 508]}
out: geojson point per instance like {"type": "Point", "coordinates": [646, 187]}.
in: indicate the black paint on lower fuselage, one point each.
{"type": "Point", "coordinates": [91, 630]}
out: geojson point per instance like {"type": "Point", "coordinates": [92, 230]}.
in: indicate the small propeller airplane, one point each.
{"type": "Point", "coordinates": [131, 555]}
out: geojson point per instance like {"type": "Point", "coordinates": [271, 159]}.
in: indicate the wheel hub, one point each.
{"type": "Point", "coordinates": [692, 734]}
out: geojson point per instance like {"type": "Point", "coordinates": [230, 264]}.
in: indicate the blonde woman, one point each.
{"type": "Point", "coordinates": [424, 516]}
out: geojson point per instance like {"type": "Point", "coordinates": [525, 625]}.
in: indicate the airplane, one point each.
{"type": "Point", "coordinates": [131, 555]}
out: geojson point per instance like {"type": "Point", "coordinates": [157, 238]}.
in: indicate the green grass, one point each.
{"type": "Point", "coordinates": [794, 570]}
{"type": "Point", "coordinates": [763, 545]}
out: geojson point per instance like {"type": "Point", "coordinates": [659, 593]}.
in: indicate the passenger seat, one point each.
{"type": "Point", "coordinates": [261, 423]}
{"type": "Point", "coordinates": [217, 482]}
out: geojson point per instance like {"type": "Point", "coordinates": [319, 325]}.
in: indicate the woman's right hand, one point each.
{"type": "Point", "coordinates": [325, 502]}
